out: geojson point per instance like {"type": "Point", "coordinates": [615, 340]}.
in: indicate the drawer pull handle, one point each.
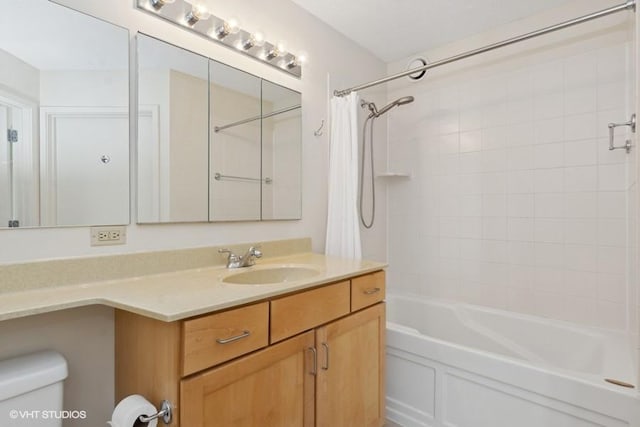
{"type": "Point", "coordinates": [372, 291]}
{"type": "Point", "coordinates": [315, 360]}
{"type": "Point", "coordinates": [244, 334]}
{"type": "Point", "coordinates": [326, 357]}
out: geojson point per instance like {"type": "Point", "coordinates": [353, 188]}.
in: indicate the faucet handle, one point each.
{"type": "Point", "coordinates": [253, 250]}
{"type": "Point", "coordinates": [232, 256]}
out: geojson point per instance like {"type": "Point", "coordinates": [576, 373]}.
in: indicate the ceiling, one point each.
{"type": "Point", "coordinates": [396, 29]}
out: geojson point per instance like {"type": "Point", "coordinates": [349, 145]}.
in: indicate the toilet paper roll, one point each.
{"type": "Point", "coordinates": [129, 409]}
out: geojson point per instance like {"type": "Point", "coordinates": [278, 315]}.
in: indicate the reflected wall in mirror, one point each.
{"type": "Point", "coordinates": [173, 145]}
{"type": "Point", "coordinates": [235, 144]}
{"type": "Point", "coordinates": [281, 152]}
{"type": "Point", "coordinates": [64, 117]}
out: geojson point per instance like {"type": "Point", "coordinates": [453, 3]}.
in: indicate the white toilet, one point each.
{"type": "Point", "coordinates": [31, 385]}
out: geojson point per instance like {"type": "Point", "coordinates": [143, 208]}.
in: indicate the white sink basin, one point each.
{"type": "Point", "coordinates": [271, 274]}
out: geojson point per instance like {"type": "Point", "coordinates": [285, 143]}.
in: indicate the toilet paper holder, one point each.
{"type": "Point", "coordinates": [165, 412]}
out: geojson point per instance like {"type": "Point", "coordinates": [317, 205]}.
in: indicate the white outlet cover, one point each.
{"type": "Point", "coordinates": [118, 230]}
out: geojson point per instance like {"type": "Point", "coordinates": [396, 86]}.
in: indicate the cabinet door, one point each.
{"type": "Point", "coordinates": [350, 381]}
{"type": "Point", "coordinates": [273, 387]}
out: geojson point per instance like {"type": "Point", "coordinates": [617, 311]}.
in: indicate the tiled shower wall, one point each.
{"type": "Point", "coordinates": [515, 202]}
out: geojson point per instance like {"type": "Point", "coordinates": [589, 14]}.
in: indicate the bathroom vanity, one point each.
{"type": "Point", "coordinates": [313, 357]}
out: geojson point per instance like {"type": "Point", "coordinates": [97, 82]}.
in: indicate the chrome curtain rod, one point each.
{"type": "Point", "coordinates": [251, 119]}
{"type": "Point", "coordinates": [629, 5]}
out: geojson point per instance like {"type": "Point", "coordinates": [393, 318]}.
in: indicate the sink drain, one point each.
{"type": "Point", "coordinates": [620, 383]}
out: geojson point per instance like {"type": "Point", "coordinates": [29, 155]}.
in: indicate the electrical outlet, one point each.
{"type": "Point", "coordinates": [104, 236]}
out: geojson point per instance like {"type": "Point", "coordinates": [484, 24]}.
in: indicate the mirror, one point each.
{"type": "Point", "coordinates": [64, 117]}
{"type": "Point", "coordinates": [242, 162]}
{"type": "Point", "coordinates": [173, 144]}
{"type": "Point", "coordinates": [235, 144]}
{"type": "Point", "coordinates": [281, 152]}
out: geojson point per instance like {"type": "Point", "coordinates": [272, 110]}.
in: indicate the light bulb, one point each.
{"type": "Point", "coordinates": [198, 13]}
{"type": "Point", "coordinates": [276, 50]}
{"type": "Point", "coordinates": [302, 57]}
{"type": "Point", "coordinates": [158, 4]}
{"type": "Point", "coordinates": [227, 27]}
{"type": "Point", "coordinates": [254, 39]}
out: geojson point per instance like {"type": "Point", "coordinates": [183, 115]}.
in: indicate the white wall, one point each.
{"type": "Point", "coordinates": [516, 202]}
{"type": "Point", "coordinates": [329, 52]}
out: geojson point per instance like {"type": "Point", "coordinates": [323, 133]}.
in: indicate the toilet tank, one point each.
{"type": "Point", "coordinates": [31, 390]}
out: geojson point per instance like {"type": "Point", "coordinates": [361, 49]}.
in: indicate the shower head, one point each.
{"type": "Point", "coordinates": [400, 101]}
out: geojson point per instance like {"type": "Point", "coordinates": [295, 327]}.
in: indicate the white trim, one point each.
{"type": "Point", "coordinates": [156, 190]}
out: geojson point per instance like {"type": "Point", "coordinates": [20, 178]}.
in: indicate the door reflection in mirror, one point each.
{"type": "Point", "coordinates": [64, 95]}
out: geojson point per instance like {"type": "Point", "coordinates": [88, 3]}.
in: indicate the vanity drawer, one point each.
{"type": "Point", "coordinates": [300, 312]}
{"type": "Point", "coordinates": [219, 337]}
{"type": "Point", "coordinates": [367, 290]}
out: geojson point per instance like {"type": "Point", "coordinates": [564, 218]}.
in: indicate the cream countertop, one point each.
{"type": "Point", "coordinates": [181, 294]}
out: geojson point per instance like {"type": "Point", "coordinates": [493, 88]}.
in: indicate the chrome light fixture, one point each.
{"type": "Point", "coordinates": [159, 4]}
{"type": "Point", "coordinates": [227, 27]}
{"type": "Point", "coordinates": [188, 13]}
{"type": "Point", "coordinates": [198, 13]}
{"type": "Point", "coordinates": [254, 39]}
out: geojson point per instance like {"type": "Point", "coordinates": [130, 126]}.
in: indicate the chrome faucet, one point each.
{"type": "Point", "coordinates": [246, 260]}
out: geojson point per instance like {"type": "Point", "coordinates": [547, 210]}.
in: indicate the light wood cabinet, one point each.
{"type": "Point", "coordinates": [350, 381]}
{"type": "Point", "coordinates": [324, 366]}
{"type": "Point", "coordinates": [273, 387]}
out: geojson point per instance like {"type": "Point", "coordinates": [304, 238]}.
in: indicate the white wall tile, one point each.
{"type": "Point", "coordinates": [494, 204]}
{"type": "Point", "coordinates": [548, 105]}
{"type": "Point", "coordinates": [612, 96]}
{"type": "Point", "coordinates": [549, 205]}
{"type": "Point", "coordinates": [611, 315]}
{"type": "Point", "coordinates": [580, 257]}
{"type": "Point", "coordinates": [494, 183]}
{"type": "Point", "coordinates": [470, 119]}
{"type": "Point", "coordinates": [548, 77]}
{"type": "Point", "coordinates": [519, 158]}
{"type": "Point", "coordinates": [548, 155]}
{"type": "Point", "coordinates": [550, 130]}
{"type": "Point", "coordinates": [581, 283]}
{"type": "Point", "coordinates": [449, 144]}
{"type": "Point", "coordinates": [470, 205]}
{"type": "Point", "coordinates": [494, 228]}
{"type": "Point", "coordinates": [611, 287]}
{"type": "Point", "coordinates": [580, 205]}
{"type": "Point", "coordinates": [548, 180]}
{"type": "Point", "coordinates": [470, 141]}
{"type": "Point", "coordinates": [580, 126]}
{"type": "Point", "coordinates": [494, 160]}
{"type": "Point", "coordinates": [549, 254]}
{"type": "Point", "coordinates": [581, 100]}
{"type": "Point", "coordinates": [494, 138]}
{"type": "Point", "coordinates": [581, 231]}
{"type": "Point", "coordinates": [611, 178]}
{"type": "Point", "coordinates": [520, 205]}
{"type": "Point", "coordinates": [520, 181]}
{"type": "Point", "coordinates": [581, 70]}
{"type": "Point", "coordinates": [521, 253]}
{"type": "Point", "coordinates": [581, 178]}
{"type": "Point", "coordinates": [612, 204]}
{"type": "Point", "coordinates": [521, 229]}
{"type": "Point", "coordinates": [549, 230]}
{"type": "Point", "coordinates": [580, 153]}
{"type": "Point", "coordinates": [612, 232]}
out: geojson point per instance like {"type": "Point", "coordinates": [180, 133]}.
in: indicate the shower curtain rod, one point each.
{"type": "Point", "coordinates": [629, 5]}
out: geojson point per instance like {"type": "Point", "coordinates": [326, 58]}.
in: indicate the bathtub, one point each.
{"type": "Point", "coordinates": [458, 365]}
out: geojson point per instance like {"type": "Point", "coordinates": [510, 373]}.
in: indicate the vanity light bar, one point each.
{"type": "Point", "coordinates": [196, 18]}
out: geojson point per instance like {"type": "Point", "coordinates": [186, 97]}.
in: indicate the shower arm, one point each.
{"type": "Point", "coordinates": [628, 5]}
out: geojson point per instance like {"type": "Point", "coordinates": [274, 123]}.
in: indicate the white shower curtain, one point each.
{"type": "Point", "coordinates": [343, 229]}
